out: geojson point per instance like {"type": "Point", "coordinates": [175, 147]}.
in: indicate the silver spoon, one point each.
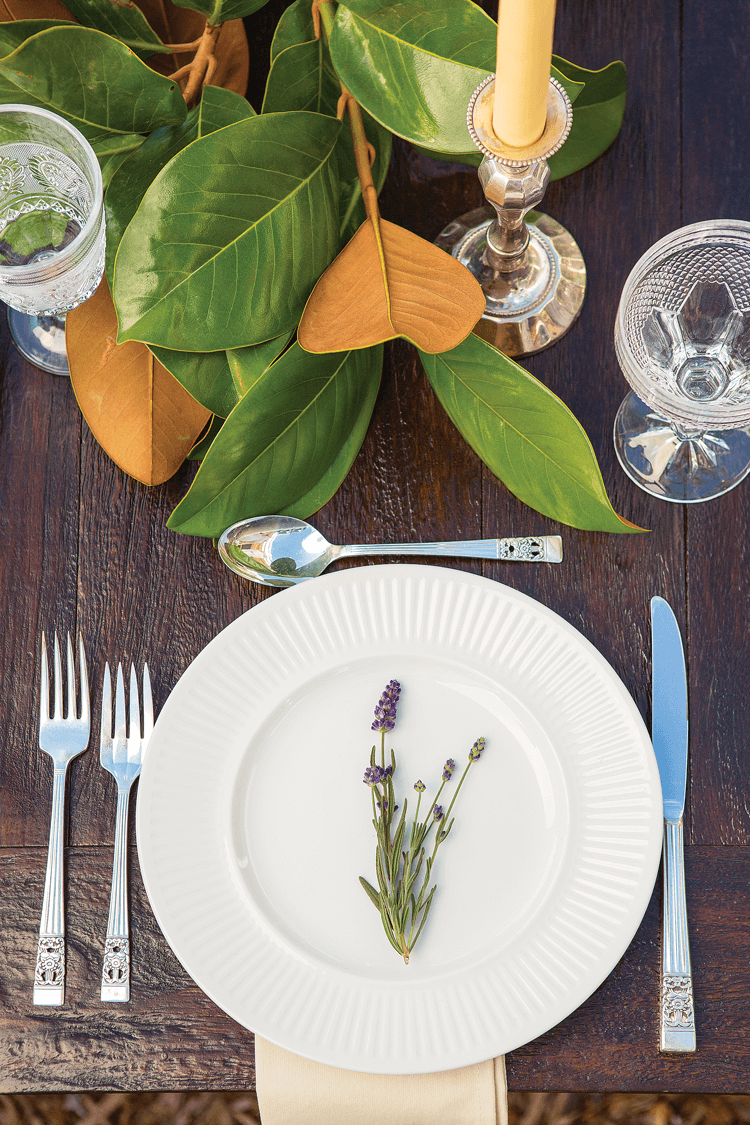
{"type": "Point", "coordinates": [283, 551]}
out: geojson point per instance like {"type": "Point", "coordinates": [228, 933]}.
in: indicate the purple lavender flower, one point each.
{"type": "Point", "coordinates": [385, 712]}
{"type": "Point", "coordinates": [420, 786]}
{"type": "Point", "coordinates": [437, 812]}
{"type": "Point", "coordinates": [373, 775]}
{"type": "Point", "coordinates": [448, 769]}
{"type": "Point", "coordinates": [476, 751]}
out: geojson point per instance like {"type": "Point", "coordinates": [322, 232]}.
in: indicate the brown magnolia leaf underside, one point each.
{"type": "Point", "coordinates": [140, 415]}
{"type": "Point", "coordinates": [434, 300]}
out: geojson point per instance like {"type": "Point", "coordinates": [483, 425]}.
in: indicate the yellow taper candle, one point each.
{"type": "Point", "coordinates": [524, 54]}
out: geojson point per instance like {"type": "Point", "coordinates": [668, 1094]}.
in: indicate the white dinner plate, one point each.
{"type": "Point", "coordinates": [254, 823]}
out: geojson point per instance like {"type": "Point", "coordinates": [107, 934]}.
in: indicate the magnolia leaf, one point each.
{"type": "Point", "coordinates": [248, 364]}
{"type": "Point", "coordinates": [216, 109]}
{"type": "Point", "coordinates": [597, 116]}
{"type": "Point", "coordinates": [202, 446]}
{"type": "Point", "coordinates": [427, 296]}
{"type": "Point", "coordinates": [204, 375]}
{"type": "Point", "coordinates": [235, 263]}
{"type": "Point", "coordinates": [121, 19]}
{"type": "Point", "coordinates": [524, 434]}
{"type": "Point", "coordinates": [331, 481]}
{"type": "Point", "coordinates": [135, 175]}
{"type": "Point", "coordinates": [219, 108]}
{"type": "Point", "coordinates": [279, 440]}
{"type": "Point", "coordinates": [113, 150]}
{"type": "Point", "coordinates": [16, 32]}
{"type": "Point", "coordinates": [302, 77]}
{"type": "Point", "coordinates": [73, 71]}
{"type": "Point", "coordinates": [424, 61]}
{"type": "Point", "coordinates": [137, 411]}
{"type": "Point", "coordinates": [17, 10]}
{"type": "Point", "coordinates": [219, 11]}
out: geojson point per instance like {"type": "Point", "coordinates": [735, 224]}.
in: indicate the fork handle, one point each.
{"type": "Point", "coordinates": [116, 965]}
{"type": "Point", "coordinates": [677, 1009]}
{"type": "Point", "coordinates": [49, 975]}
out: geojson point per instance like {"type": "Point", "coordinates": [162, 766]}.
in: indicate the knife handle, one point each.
{"type": "Point", "coordinates": [677, 1010]}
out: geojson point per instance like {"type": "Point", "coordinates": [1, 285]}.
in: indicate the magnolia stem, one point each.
{"type": "Point", "coordinates": [363, 151]}
{"type": "Point", "coordinates": [201, 70]}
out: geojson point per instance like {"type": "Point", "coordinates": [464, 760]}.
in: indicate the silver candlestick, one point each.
{"type": "Point", "coordinates": [529, 266]}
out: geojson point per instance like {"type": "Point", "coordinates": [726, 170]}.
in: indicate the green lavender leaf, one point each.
{"type": "Point", "coordinates": [372, 894]}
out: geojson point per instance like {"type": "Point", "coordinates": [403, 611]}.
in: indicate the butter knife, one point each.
{"type": "Point", "coordinates": [669, 732]}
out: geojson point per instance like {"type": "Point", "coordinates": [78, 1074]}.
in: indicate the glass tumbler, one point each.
{"type": "Point", "coordinates": [51, 229]}
{"type": "Point", "coordinates": [682, 339]}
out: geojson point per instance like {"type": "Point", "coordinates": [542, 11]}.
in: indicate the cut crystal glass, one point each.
{"type": "Point", "coordinates": [683, 342]}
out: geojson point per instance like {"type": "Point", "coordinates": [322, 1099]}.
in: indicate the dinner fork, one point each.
{"type": "Point", "coordinates": [63, 739]}
{"type": "Point", "coordinates": [122, 755]}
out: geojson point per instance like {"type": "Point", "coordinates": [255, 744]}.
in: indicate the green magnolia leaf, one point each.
{"type": "Point", "coordinates": [279, 440]}
{"type": "Point", "coordinates": [524, 433]}
{"type": "Point", "coordinates": [113, 150]}
{"type": "Point", "coordinates": [235, 263]}
{"type": "Point", "coordinates": [92, 81]}
{"type": "Point", "coordinates": [302, 77]}
{"type": "Point", "coordinates": [219, 11]}
{"type": "Point", "coordinates": [201, 448]}
{"type": "Point", "coordinates": [331, 481]}
{"type": "Point", "coordinates": [121, 19]}
{"type": "Point", "coordinates": [216, 109]}
{"type": "Point", "coordinates": [204, 375]}
{"type": "Point", "coordinates": [135, 175]}
{"type": "Point", "coordinates": [16, 32]}
{"type": "Point", "coordinates": [424, 61]}
{"type": "Point", "coordinates": [248, 364]}
{"type": "Point", "coordinates": [219, 107]}
{"type": "Point", "coordinates": [597, 116]}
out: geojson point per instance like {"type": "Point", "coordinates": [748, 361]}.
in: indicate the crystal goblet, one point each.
{"type": "Point", "coordinates": [682, 339]}
{"type": "Point", "coordinates": [51, 229]}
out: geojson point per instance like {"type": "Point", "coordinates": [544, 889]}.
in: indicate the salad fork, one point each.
{"type": "Point", "coordinates": [63, 739]}
{"type": "Point", "coordinates": [121, 756]}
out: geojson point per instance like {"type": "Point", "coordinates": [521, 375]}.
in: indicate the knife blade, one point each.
{"type": "Point", "coordinates": [669, 733]}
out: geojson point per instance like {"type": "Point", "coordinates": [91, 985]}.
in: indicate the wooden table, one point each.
{"type": "Point", "coordinates": [84, 548]}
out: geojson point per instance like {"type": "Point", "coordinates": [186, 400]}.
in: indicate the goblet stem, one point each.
{"type": "Point", "coordinates": [41, 339]}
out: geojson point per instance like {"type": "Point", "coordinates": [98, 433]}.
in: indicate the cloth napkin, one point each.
{"type": "Point", "coordinates": [294, 1091]}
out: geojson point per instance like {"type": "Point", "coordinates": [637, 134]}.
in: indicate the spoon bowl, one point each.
{"type": "Point", "coordinates": [283, 551]}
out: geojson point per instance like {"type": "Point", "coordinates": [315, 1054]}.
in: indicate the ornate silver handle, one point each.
{"type": "Point", "coordinates": [677, 1009]}
{"type": "Point", "coordinates": [116, 965]}
{"type": "Point", "coordinates": [49, 974]}
{"type": "Point", "coordinates": [531, 548]}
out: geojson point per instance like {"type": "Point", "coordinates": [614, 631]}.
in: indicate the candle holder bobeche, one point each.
{"type": "Point", "coordinates": [529, 266]}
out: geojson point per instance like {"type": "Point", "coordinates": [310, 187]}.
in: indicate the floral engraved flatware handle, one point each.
{"type": "Point", "coordinates": [677, 1008]}
{"type": "Point", "coordinates": [49, 974]}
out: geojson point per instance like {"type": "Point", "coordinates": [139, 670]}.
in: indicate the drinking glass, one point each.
{"type": "Point", "coordinates": [51, 229]}
{"type": "Point", "coordinates": [682, 339]}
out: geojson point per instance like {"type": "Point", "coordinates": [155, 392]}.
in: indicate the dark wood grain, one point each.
{"type": "Point", "coordinates": [84, 547]}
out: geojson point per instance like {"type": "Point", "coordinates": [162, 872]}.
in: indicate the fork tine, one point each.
{"type": "Point", "coordinates": [44, 685]}
{"type": "Point", "coordinates": [58, 680]}
{"type": "Point", "coordinates": [84, 678]}
{"type": "Point", "coordinates": [135, 715]}
{"type": "Point", "coordinates": [148, 707]}
{"type": "Point", "coordinates": [71, 672]}
{"type": "Point", "coordinates": [120, 706]}
{"type": "Point", "coordinates": [106, 727]}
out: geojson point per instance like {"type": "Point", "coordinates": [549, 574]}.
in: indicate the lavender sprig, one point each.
{"type": "Point", "coordinates": [404, 895]}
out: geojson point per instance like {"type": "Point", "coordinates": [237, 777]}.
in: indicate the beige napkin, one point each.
{"type": "Point", "coordinates": [295, 1091]}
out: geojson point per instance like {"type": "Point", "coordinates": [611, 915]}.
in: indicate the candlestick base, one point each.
{"type": "Point", "coordinates": [530, 306]}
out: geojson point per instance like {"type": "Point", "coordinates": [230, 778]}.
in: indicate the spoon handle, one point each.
{"type": "Point", "coordinates": [532, 548]}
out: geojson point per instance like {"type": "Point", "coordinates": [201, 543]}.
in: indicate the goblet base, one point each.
{"type": "Point", "coordinates": [683, 466]}
{"type": "Point", "coordinates": [531, 301]}
{"type": "Point", "coordinates": [41, 339]}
